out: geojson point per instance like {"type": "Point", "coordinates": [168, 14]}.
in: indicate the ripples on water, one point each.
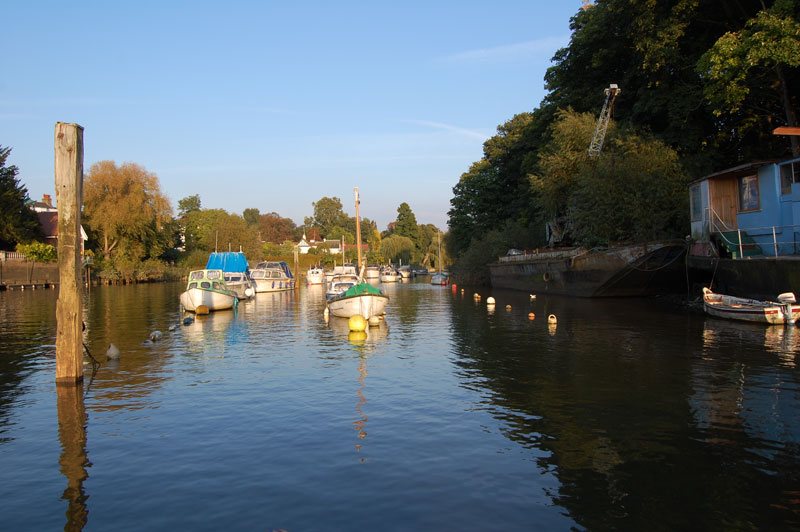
{"type": "Point", "coordinates": [450, 415]}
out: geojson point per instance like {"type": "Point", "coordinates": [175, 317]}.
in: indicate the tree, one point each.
{"type": "Point", "coordinates": [188, 204]}
{"type": "Point", "coordinates": [37, 251]}
{"type": "Point", "coordinates": [406, 224]}
{"type": "Point", "coordinates": [635, 191]}
{"type": "Point", "coordinates": [396, 247]}
{"type": "Point", "coordinates": [251, 216]}
{"type": "Point", "coordinates": [216, 230]}
{"type": "Point", "coordinates": [125, 207]}
{"type": "Point", "coordinates": [753, 68]}
{"type": "Point", "coordinates": [275, 228]}
{"type": "Point", "coordinates": [327, 213]}
{"type": "Point", "coordinates": [18, 222]}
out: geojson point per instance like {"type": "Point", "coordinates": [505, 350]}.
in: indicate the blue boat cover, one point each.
{"type": "Point", "coordinates": [227, 261]}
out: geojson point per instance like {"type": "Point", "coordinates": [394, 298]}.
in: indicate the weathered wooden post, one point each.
{"type": "Point", "coordinates": [69, 196]}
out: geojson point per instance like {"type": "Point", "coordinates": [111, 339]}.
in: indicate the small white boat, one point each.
{"type": "Point", "coordinates": [372, 271]}
{"type": "Point", "coordinates": [208, 288]}
{"type": "Point", "coordinates": [360, 299]}
{"type": "Point", "coordinates": [389, 275]}
{"type": "Point", "coordinates": [340, 284]}
{"type": "Point", "coordinates": [272, 277]}
{"type": "Point", "coordinates": [404, 271]}
{"type": "Point", "coordinates": [344, 269]}
{"type": "Point", "coordinates": [440, 278]}
{"type": "Point", "coordinates": [781, 312]}
{"type": "Point", "coordinates": [315, 275]}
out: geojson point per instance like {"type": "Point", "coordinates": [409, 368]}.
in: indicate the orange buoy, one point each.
{"type": "Point", "coordinates": [531, 316]}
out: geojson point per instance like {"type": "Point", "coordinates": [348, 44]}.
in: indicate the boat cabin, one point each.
{"type": "Point", "coordinates": [749, 210]}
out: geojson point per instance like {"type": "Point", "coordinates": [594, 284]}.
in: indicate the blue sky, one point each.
{"type": "Point", "coordinates": [275, 105]}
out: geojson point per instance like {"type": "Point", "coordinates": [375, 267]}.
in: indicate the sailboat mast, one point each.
{"type": "Point", "coordinates": [358, 229]}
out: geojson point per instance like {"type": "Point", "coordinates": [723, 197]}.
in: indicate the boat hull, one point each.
{"type": "Point", "coordinates": [273, 285]}
{"type": "Point", "coordinates": [194, 297]}
{"type": "Point", "coordinates": [625, 271]}
{"type": "Point", "coordinates": [741, 309]}
{"type": "Point", "coordinates": [366, 305]}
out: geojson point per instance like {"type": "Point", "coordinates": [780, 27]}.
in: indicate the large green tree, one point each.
{"type": "Point", "coordinates": [18, 222]}
{"type": "Point", "coordinates": [751, 72]}
{"type": "Point", "coordinates": [327, 214]}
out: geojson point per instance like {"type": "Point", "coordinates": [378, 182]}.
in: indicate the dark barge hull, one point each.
{"type": "Point", "coordinates": [756, 277]}
{"type": "Point", "coordinates": [626, 271]}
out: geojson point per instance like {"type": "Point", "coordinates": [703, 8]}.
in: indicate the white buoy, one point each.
{"type": "Point", "coordinates": [374, 321]}
{"type": "Point", "coordinates": [325, 312]}
{"type": "Point", "coordinates": [533, 296]}
{"type": "Point", "coordinates": [490, 300]}
{"type": "Point", "coordinates": [112, 353]}
{"type": "Point", "coordinates": [552, 318]}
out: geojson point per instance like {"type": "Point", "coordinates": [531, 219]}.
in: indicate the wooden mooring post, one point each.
{"type": "Point", "coordinates": [69, 307]}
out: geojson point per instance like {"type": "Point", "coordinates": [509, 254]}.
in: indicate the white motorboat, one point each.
{"type": "Point", "coordinates": [389, 275]}
{"type": "Point", "coordinates": [272, 277]}
{"type": "Point", "coordinates": [372, 272]}
{"type": "Point", "coordinates": [315, 275]}
{"type": "Point", "coordinates": [207, 288]}
{"type": "Point", "coordinates": [404, 271]}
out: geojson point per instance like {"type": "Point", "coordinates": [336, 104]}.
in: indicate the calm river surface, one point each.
{"type": "Point", "coordinates": [627, 415]}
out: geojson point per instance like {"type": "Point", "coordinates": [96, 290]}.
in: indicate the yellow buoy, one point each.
{"type": "Point", "coordinates": [490, 300]}
{"type": "Point", "coordinates": [201, 309]}
{"type": "Point", "coordinates": [508, 307]}
{"type": "Point", "coordinates": [552, 318]}
{"type": "Point", "coordinates": [531, 316]}
{"type": "Point", "coordinates": [357, 323]}
{"type": "Point", "coordinates": [357, 336]}
{"type": "Point", "coordinates": [476, 295]}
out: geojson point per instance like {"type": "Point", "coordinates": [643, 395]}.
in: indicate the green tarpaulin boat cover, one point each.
{"type": "Point", "coordinates": [362, 288]}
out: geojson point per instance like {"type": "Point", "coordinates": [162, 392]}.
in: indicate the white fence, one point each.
{"type": "Point", "coordinates": [11, 255]}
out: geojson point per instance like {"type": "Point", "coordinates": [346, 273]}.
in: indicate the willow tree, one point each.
{"type": "Point", "coordinates": [124, 207]}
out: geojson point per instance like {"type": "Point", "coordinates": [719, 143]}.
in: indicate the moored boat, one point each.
{"type": "Point", "coordinates": [372, 271]}
{"type": "Point", "coordinates": [340, 284]}
{"type": "Point", "coordinates": [235, 270]}
{"type": "Point", "coordinates": [272, 277]}
{"type": "Point", "coordinates": [781, 312]}
{"type": "Point", "coordinates": [389, 275]}
{"type": "Point", "coordinates": [404, 271]}
{"type": "Point", "coordinates": [315, 275]}
{"type": "Point", "coordinates": [207, 288]}
{"type": "Point", "coordinates": [361, 299]}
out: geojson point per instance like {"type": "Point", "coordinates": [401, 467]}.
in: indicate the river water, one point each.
{"type": "Point", "coordinates": [452, 415]}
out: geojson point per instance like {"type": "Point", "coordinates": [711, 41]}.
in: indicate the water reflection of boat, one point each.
{"type": "Point", "coordinates": [207, 329]}
{"type": "Point", "coordinates": [208, 288]}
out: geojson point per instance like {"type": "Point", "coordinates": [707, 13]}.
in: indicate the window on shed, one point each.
{"type": "Point", "coordinates": [748, 193]}
{"type": "Point", "coordinates": [790, 173]}
{"type": "Point", "coordinates": [696, 203]}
